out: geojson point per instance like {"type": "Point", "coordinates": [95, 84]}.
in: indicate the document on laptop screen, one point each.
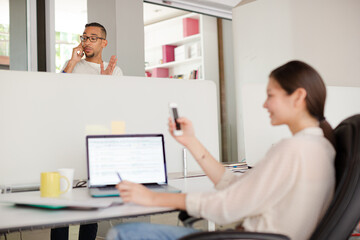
{"type": "Point", "coordinates": [137, 159]}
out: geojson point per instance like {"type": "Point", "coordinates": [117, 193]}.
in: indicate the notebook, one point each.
{"type": "Point", "coordinates": [137, 158]}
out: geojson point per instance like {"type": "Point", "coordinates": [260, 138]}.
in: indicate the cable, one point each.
{"type": "Point", "coordinates": [80, 184]}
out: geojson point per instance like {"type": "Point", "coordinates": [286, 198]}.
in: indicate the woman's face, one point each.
{"type": "Point", "coordinates": [278, 103]}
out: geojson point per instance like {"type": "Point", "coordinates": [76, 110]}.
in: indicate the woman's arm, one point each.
{"type": "Point", "coordinates": [137, 193]}
{"type": "Point", "coordinates": [212, 168]}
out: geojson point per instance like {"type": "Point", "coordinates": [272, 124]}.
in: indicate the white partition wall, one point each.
{"type": "Point", "coordinates": [46, 116]}
{"type": "Point", "coordinates": [259, 135]}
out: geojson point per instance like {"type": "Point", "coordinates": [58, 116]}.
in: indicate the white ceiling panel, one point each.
{"type": "Point", "coordinates": [222, 9]}
{"type": "Point", "coordinates": [155, 13]}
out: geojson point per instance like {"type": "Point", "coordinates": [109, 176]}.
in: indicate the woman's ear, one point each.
{"type": "Point", "coordinates": [299, 96]}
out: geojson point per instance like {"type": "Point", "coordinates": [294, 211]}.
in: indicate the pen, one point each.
{"type": "Point", "coordinates": [119, 176]}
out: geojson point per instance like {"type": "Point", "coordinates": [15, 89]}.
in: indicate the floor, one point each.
{"type": "Point", "coordinates": [44, 234]}
{"type": "Point", "coordinates": [168, 218]}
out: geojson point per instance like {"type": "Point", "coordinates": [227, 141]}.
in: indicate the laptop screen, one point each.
{"type": "Point", "coordinates": [137, 158]}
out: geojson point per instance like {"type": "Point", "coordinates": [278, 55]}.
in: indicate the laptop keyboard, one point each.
{"type": "Point", "coordinates": [107, 188]}
{"type": "Point", "coordinates": [154, 187]}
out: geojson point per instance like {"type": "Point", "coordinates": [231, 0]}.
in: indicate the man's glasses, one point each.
{"type": "Point", "coordinates": [92, 38]}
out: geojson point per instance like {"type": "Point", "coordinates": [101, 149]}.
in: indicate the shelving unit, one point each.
{"type": "Point", "coordinates": [185, 40]}
{"type": "Point", "coordinates": [4, 50]}
{"type": "Point", "coordinates": [170, 32]}
{"type": "Point", "coordinates": [176, 63]}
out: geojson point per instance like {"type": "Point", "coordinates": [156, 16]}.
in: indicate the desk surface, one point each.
{"type": "Point", "coordinates": [14, 218]}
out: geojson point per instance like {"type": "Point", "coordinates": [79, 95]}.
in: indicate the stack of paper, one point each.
{"type": "Point", "coordinates": [181, 53]}
{"type": "Point", "coordinates": [77, 199]}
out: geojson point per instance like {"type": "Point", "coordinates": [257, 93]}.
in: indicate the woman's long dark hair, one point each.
{"type": "Point", "coordinates": [297, 74]}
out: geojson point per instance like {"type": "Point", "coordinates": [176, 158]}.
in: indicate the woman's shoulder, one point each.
{"type": "Point", "coordinates": [308, 142]}
{"type": "Point", "coordinates": [305, 138]}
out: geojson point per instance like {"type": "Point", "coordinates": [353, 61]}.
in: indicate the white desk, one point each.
{"type": "Point", "coordinates": [15, 218]}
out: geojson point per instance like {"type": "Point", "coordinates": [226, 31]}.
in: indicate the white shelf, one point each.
{"type": "Point", "coordinates": [175, 63]}
{"type": "Point", "coordinates": [183, 41]}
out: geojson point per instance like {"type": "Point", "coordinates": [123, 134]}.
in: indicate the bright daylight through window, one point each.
{"type": "Point", "coordinates": [4, 34]}
{"type": "Point", "coordinates": [70, 19]}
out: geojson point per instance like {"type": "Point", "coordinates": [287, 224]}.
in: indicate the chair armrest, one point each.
{"type": "Point", "coordinates": [187, 220]}
{"type": "Point", "coordinates": [232, 234]}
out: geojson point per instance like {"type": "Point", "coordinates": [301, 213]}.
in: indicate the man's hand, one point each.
{"type": "Point", "coordinates": [77, 54]}
{"type": "Point", "coordinates": [110, 68]}
{"type": "Point", "coordinates": [136, 193]}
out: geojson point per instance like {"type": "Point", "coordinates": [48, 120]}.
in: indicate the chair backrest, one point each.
{"type": "Point", "coordinates": [344, 211]}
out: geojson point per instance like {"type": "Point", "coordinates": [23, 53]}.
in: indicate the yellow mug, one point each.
{"type": "Point", "coordinates": [50, 184]}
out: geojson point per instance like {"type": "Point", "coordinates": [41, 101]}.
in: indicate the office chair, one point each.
{"type": "Point", "coordinates": [344, 211]}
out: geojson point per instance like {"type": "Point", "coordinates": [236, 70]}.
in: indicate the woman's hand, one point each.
{"type": "Point", "coordinates": [212, 168]}
{"type": "Point", "coordinates": [136, 193]}
{"type": "Point", "coordinates": [188, 135]}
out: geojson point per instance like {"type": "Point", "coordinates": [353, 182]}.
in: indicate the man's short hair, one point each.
{"type": "Point", "coordinates": [95, 24]}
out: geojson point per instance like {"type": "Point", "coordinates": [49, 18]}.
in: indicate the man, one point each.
{"type": "Point", "coordinates": [93, 41]}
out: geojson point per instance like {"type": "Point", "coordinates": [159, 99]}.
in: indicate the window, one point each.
{"type": "Point", "coordinates": [70, 20]}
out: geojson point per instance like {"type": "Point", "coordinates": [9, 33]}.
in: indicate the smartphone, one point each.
{"type": "Point", "coordinates": [174, 114]}
{"type": "Point", "coordinates": [81, 53]}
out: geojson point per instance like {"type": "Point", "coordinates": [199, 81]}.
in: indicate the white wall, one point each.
{"type": "Point", "coordinates": [268, 33]}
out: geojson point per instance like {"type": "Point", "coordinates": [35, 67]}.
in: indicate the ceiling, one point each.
{"type": "Point", "coordinates": [222, 9]}
{"type": "Point", "coordinates": [154, 13]}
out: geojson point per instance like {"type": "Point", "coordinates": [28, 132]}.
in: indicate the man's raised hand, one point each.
{"type": "Point", "coordinates": [110, 68]}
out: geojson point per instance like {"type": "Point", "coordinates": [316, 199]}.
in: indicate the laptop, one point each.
{"type": "Point", "coordinates": [137, 158]}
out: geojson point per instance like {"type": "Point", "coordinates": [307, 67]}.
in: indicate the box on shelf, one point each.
{"type": "Point", "coordinates": [190, 26]}
{"type": "Point", "coordinates": [160, 72]}
{"type": "Point", "coordinates": [181, 53]}
{"type": "Point", "coordinates": [195, 50]}
{"type": "Point", "coordinates": [168, 53]}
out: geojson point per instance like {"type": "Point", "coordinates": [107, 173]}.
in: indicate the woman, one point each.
{"type": "Point", "coordinates": [287, 192]}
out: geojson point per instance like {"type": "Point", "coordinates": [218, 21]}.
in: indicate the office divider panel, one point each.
{"type": "Point", "coordinates": [44, 118]}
